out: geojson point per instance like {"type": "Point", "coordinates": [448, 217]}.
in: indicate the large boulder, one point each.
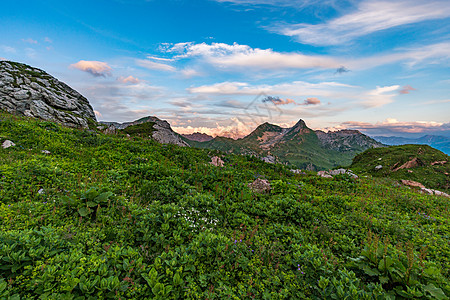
{"type": "Point", "coordinates": [31, 92]}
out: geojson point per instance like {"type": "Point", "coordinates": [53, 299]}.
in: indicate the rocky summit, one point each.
{"type": "Point", "coordinates": [31, 92]}
{"type": "Point", "coordinates": [150, 126]}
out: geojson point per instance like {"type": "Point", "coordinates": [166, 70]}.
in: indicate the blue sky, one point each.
{"type": "Point", "coordinates": [382, 67]}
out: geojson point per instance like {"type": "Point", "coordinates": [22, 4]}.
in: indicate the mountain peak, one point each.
{"type": "Point", "coordinates": [300, 124]}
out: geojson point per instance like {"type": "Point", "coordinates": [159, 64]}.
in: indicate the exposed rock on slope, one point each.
{"type": "Point", "coordinates": [197, 136]}
{"type": "Point", "coordinates": [157, 129]}
{"type": "Point", "coordinates": [32, 92]}
{"type": "Point", "coordinates": [298, 145]}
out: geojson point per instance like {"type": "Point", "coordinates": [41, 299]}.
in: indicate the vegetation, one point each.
{"type": "Point", "coordinates": [432, 167]}
{"type": "Point", "coordinates": [121, 218]}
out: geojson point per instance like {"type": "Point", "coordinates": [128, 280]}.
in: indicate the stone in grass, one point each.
{"type": "Point", "coordinates": [379, 167]}
{"type": "Point", "coordinates": [45, 152]}
{"type": "Point", "coordinates": [260, 186]}
{"type": "Point", "coordinates": [7, 144]}
{"type": "Point", "coordinates": [216, 161]}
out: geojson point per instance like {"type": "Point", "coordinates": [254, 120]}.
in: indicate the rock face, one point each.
{"type": "Point", "coordinates": [199, 137]}
{"type": "Point", "coordinates": [345, 140]}
{"type": "Point", "coordinates": [260, 186]}
{"type": "Point", "coordinates": [216, 161]}
{"type": "Point", "coordinates": [32, 92]}
{"type": "Point", "coordinates": [161, 130]}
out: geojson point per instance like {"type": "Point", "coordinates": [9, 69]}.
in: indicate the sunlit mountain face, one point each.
{"type": "Point", "coordinates": [224, 67]}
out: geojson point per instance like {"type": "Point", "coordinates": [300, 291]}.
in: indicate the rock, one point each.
{"type": "Point", "coordinates": [269, 159]}
{"type": "Point", "coordinates": [410, 171]}
{"type": "Point", "coordinates": [379, 167]}
{"type": "Point", "coordinates": [439, 193]}
{"type": "Point", "coordinates": [46, 152]}
{"type": "Point", "coordinates": [41, 191]}
{"type": "Point", "coordinates": [412, 183]}
{"type": "Point", "coordinates": [31, 92]}
{"type": "Point", "coordinates": [260, 186]}
{"type": "Point", "coordinates": [443, 162]}
{"type": "Point", "coordinates": [297, 171]}
{"type": "Point", "coordinates": [380, 158]}
{"type": "Point", "coordinates": [7, 144]}
{"type": "Point", "coordinates": [324, 174]}
{"type": "Point", "coordinates": [427, 191]}
{"type": "Point", "coordinates": [409, 164]}
{"type": "Point", "coordinates": [216, 161]}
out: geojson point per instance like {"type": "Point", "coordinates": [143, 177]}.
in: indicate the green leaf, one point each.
{"type": "Point", "coordinates": [383, 279]}
{"type": "Point", "coordinates": [383, 267]}
{"type": "Point", "coordinates": [84, 211]}
{"type": "Point", "coordinates": [103, 197]}
{"type": "Point", "coordinates": [371, 272]}
{"type": "Point", "coordinates": [91, 204]}
{"type": "Point", "coordinates": [435, 292]}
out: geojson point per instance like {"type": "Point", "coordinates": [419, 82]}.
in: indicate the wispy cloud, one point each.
{"type": "Point", "coordinates": [7, 49]}
{"type": "Point", "coordinates": [48, 40]}
{"type": "Point", "coordinates": [370, 16]}
{"type": "Point", "coordinates": [406, 89]}
{"type": "Point", "coordinates": [129, 79]}
{"type": "Point", "coordinates": [95, 68]}
{"type": "Point", "coordinates": [29, 41]}
{"type": "Point", "coordinates": [148, 64]}
{"type": "Point", "coordinates": [313, 91]}
{"type": "Point", "coordinates": [243, 57]}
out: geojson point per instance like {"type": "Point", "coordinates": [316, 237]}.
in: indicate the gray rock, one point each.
{"type": "Point", "coordinates": [269, 159]}
{"type": "Point", "coordinates": [260, 186]}
{"type": "Point", "coordinates": [379, 167]}
{"type": "Point", "coordinates": [46, 152]}
{"type": "Point", "coordinates": [7, 144]}
{"type": "Point", "coordinates": [31, 92]}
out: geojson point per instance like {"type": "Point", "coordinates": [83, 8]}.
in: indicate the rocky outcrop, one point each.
{"type": "Point", "coordinates": [161, 130]}
{"type": "Point", "coordinates": [198, 137]}
{"type": "Point", "coordinates": [415, 162]}
{"type": "Point", "coordinates": [216, 161]}
{"type": "Point", "coordinates": [31, 92]}
{"type": "Point", "coordinates": [331, 173]}
{"type": "Point", "coordinates": [260, 186]}
{"type": "Point", "coordinates": [346, 140]}
{"type": "Point", "coordinates": [7, 144]}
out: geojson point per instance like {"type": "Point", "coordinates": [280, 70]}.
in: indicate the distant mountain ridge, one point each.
{"type": "Point", "coordinates": [199, 137]}
{"type": "Point", "coordinates": [441, 143]}
{"type": "Point", "coordinates": [297, 145]}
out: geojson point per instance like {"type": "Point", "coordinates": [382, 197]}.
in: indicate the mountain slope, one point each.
{"type": "Point", "coordinates": [31, 92]}
{"type": "Point", "coordinates": [420, 163]}
{"type": "Point", "coordinates": [441, 143]}
{"type": "Point", "coordinates": [299, 145]}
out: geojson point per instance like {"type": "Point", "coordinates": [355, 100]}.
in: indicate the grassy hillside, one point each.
{"type": "Point", "coordinates": [432, 176]}
{"type": "Point", "coordinates": [127, 218]}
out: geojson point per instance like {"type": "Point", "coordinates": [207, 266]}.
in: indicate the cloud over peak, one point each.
{"type": "Point", "coordinates": [95, 68]}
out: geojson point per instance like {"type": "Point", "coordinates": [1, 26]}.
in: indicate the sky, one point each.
{"type": "Point", "coordinates": [223, 67]}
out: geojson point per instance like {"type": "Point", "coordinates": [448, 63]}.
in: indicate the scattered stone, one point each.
{"type": "Point", "coordinates": [46, 152]}
{"type": "Point", "coordinates": [443, 162]}
{"type": "Point", "coordinates": [7, 144]}
{"type": "Point", "coordinates": [380, 158]}
{"type": "Point", "coordinates": [410, 171]}
{"type": "Point", "coordinates": [412, 183]}
{"type": "Point", "coordinates": [260, 186]}
{"type": "Point", "coordinates": [409, 164]}
{"type": "Point", "coordinates": [41, 191]}
{"type": "Point", "coordinates": [439, 193]}
{"type": "Point", "coordinates": [216, 161]}
{"type": "Point", "coordinates": [269, 159]}
{"type": "Point", "coordinates": [324, 174]}
{"type": "Point", "coordinates": [297, 171]}
{"type": "Point", "coordinates": [427, 191]}
{"type": "Point", "coordinates": [379, 167]}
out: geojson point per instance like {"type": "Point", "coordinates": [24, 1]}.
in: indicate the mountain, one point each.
{"type": "Point", "coordinates": [150, 126]}
{"type": "Point", "coordinates": [441, 143]}
{"type": "Point", "coordinates": [299, 145]}
{"type": "Point", "coordinates": [420, 163]}
{"type": "Point", "coordinates": [31, 92]}
{"type": "Point", "coordinates": [199, 137]}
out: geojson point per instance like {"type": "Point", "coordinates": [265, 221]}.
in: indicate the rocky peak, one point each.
{"type": "Point", "coordinates": [32, 92]}
{"type": "Point", "coordinates": [199, 137]}
{"type": "Point", "coordinates": [161, 130]}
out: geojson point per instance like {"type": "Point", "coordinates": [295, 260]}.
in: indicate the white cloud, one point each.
{"type": "Point", "coordinates": [380, 96]}
{"type": "Point", "coordinates": [148, 64]}
{"type": "Point", "coordinates": [129, 79]}
{"type": "Point", "coordinates": [243, 56]}
{"type": "Point", "coordinates": [189, 73]}
{"type": "Point", "coordinates": [7, 49]}
{"type": "Point", "coordinates": [390, 126]}
{"type": "Point", "coordinates": [48, 40]}
{"type": "Point", "coordinates": [29, 41]}
{"type": "Point", "coordinates": [370, 16]}
{"type": "Point", "coordinates": [95, 68]}
{"type": "Point", "coordinates": [283, 3]}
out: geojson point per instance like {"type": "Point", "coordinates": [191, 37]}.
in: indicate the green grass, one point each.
{"type": "Point", "coordinates": [128, 218]}
{"type": "Point", "coordinates": [435, 177]}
